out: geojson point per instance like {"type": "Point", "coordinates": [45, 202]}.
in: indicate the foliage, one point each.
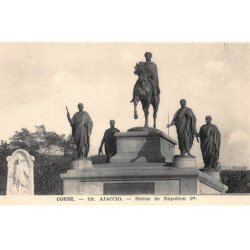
{"type": "Point", "coordinates": [41, 141]}
{"type": "Point", "coordinates": [52, 153]}
{"type": "Point", "coordinates": [47, 174]}
{"type": "Point", "coordinates": [5, 150]}
{"type": "Point", "coordinates": [237, 181]}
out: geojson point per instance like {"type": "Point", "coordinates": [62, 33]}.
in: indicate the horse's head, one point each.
{"type": "Point", "coordinates": [140, 70]}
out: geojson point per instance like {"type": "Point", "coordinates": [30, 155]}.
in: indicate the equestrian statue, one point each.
{"type": "Point", "coordinates": [146, 89]}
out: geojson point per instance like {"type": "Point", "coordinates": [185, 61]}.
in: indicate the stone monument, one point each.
{"type": "Point", "coordinates": [145, 161]}
{"type": "Point", "coordinates": [185, 122]}
{"type": "Point", "coordinates": [210, 147]}
{"type": "Point", "coordinates": [81, 125]}
{"type": "Point", "coordinates": [20, 177]}
{"type": "Point", "coordinates": [146, 89]}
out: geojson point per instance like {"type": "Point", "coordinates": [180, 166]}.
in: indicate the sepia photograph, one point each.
{"type": "Point", "coordinates": [133, 119]}
{"type": "Point", "coordinates": [124, 124]}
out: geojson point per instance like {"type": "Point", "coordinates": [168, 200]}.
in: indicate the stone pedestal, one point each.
{"type": "Point", "coordinates": [81, 164]}
{"type": "Point", "coordinates": [184, 161]}
{"type": "Point", "coordinates": [143, 145]}
{"type": "Point", "coordinates": [140, 168]}
{"type": "Point", "coordinates": [214, 174]}
{"type": "Point", "coordinates": [139, 179]}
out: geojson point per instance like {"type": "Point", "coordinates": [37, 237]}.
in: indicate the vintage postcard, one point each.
{"type": "Point", "coordinates": [125, 123]}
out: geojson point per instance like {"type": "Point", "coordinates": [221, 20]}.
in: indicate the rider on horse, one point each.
{"type": "Point", "coordinates": [152, 75]}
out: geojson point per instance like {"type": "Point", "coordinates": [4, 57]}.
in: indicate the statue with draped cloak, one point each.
{"type": "Point", "coordinates": [185, 122]}
{"type": "Point", "coordinates": [210, 144]}
{"type": "Point", "coordinates": [82, 125]}
{"type": "Point", "coordinates": [109, 141]}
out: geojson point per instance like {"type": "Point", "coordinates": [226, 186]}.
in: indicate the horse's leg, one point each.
{"type": "Point", "coordinates": [146, 116]}
{"type": "Point", "coordinates": [136, 100]}
{"type": "Point", "coordinates": [155, 114]}
{"type": "Point", "coordinates": [149, 99]}
{"type": "Point", "coordinates": [143, 103]}
{"type": "Point", "coordinates": [146, 110]}
{"type": "Point", "coordinates": [155, 106]}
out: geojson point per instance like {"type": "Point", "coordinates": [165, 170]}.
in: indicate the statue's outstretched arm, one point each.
{"type": "Point", "coordinates": [68, 116]}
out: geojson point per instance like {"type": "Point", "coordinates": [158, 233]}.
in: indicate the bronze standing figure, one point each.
{"type": "Point", "coordinates": [210, 143]}
{"type": "Point", "coordinates": [109, 141]}
{"type": "Point", "coordinates": [82, 125]}
{"type": "Point", "coordinates": [185, 122]}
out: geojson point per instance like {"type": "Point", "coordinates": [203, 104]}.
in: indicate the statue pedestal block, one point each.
{"type": "Point", "coordinates": [139, 179]}
{"type": "Point", "coordinates": [143, 145]}
{"type": "Point", "coordinates": [184, 161]}
{"type": "Point", "coordinates": [140, 168]}
{"type": "Point", "coordinates": [214, 174]}
{"type": "Point", "coordinates": [81, 164]}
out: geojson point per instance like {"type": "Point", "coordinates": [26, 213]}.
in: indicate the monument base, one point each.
{"type": "Point", "coordinates": [143, 145]}
{"type": "Point", "coordinates": [139, 179]}
{"type": "Point", "coordinates": [82, 163]}
{"type": "Point", "coordinates": [186, 161]}
{"type": "Point", "coordinates": [213, 174]}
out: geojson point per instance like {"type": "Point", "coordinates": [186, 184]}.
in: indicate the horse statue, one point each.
{"type": "Point", "coordinates": [143, 91]}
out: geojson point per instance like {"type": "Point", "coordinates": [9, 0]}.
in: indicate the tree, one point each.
{"type": "Point", "coordinates": [237, 181]}
{"type": "Point", "coordinates": [52, 153]}
{"type": "Point", "coordinates": [5, 150]}
{"type": "Point", "coordinates": [41, 141]}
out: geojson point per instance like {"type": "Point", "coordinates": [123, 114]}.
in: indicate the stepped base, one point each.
{"type": "Point", "coordinates": [139, 178]}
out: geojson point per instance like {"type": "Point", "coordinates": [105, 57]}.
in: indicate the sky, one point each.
{"type": "Point", "coordinates": [38, 80]}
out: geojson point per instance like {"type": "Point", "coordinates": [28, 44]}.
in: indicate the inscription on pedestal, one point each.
{"type": "Point", "coordinates": [129, 188]}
